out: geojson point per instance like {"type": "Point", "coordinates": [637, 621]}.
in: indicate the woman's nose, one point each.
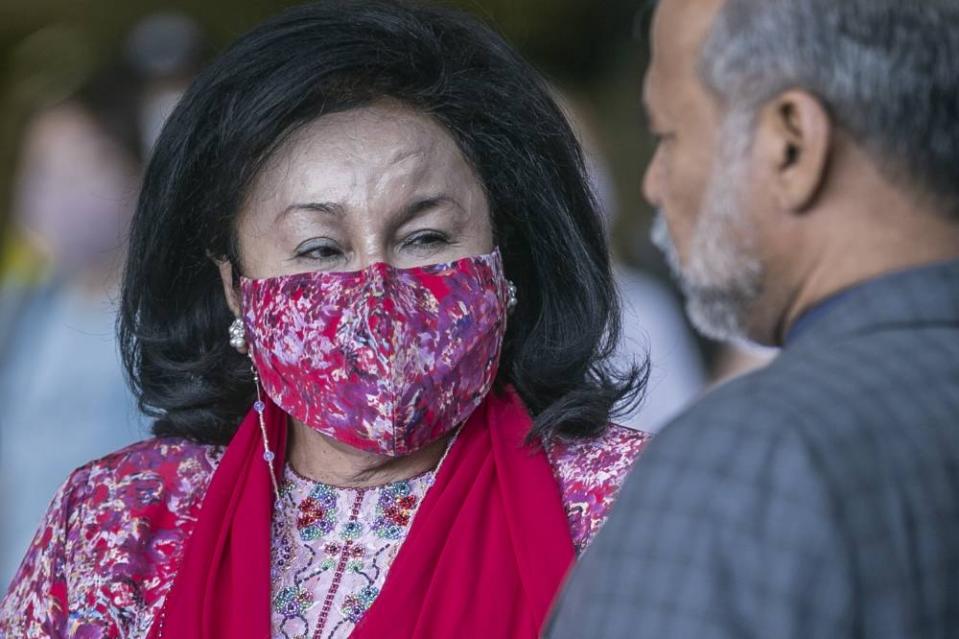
{"type": "Point", "coordinates": [371, 248]}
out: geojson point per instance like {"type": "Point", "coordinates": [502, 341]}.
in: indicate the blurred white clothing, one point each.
{"type": "Point", "coordinates": [653, 324]}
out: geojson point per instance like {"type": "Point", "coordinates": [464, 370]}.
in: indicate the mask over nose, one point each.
{"type": "Point", "coordinates": [385, 360]}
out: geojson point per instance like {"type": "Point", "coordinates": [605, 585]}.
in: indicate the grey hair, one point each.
{"type": "Point", "coordinates": [884, 69]}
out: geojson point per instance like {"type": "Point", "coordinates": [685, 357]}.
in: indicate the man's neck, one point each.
{"type": "Point", "coordinates": [327, 460]}
{"type": "Point", "coordinates": [862, 259]}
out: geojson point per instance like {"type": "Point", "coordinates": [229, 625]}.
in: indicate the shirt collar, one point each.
{"type": "Point", "coordinates": [812, 314]}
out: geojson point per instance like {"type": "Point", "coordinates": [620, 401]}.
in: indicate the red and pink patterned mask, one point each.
{"type": "Point", "coordinates": [385, 360]}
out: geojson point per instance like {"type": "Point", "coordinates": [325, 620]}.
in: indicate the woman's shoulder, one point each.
{"type": "Point", "coordinates": [162, 458]}
{"type": "Point", "coordinates": [144, 475]}
{"type": "Point", "coordinates": [110, 542]}
{"type": "Point", "coordinates": [590, 473]}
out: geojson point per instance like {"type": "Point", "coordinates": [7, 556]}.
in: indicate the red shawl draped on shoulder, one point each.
{"type": "Point", "coordinates": [485, 556]}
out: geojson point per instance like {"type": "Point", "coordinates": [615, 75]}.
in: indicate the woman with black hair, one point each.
{"type": "Point", "coordinates": [369, 305]}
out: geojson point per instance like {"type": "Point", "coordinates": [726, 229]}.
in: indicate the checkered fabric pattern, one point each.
{"type": "Point", "coordinates": [818, 498]}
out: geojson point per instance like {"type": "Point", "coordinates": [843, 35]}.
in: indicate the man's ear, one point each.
{"type": "Point", "coordinates": [794, 138]}
{"type": "Point", "coordinates": [229, 285]}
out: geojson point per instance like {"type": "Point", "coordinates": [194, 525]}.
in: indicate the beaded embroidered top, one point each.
{"type": "Point", "coordinates": [332, 549]}
{"type": "Point", "coordinates": [106, 553]}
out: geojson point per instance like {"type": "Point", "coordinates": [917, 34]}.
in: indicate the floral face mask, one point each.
{"type": "Point", "coordinates": [385, 360]}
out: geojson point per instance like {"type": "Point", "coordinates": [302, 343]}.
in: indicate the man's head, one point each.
{"type": "Point", "coordinates": [798, 141]}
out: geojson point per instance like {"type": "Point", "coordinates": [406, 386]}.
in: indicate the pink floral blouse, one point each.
{"type": "Point", "coordinates": [105, 555]}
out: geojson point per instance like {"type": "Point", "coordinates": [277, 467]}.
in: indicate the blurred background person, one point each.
{"type": "Point", "coordinates": [73, 192]}
{"type": "Point", "coordinates": [166, 49]}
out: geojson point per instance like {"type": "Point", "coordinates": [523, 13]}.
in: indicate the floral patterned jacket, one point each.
{"type": "Point", "coordinates": [105, 555]}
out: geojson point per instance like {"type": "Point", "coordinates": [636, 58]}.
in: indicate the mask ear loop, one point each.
{"type": "Point", "coordinates": [268, 455]}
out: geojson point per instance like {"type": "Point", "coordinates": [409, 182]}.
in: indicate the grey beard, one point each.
{"type": "Point", "coordinates": [724, 275]}
{"type": "Point", "coordinates": [722, 280]}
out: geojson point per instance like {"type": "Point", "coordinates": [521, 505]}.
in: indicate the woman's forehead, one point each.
{"type": "Point", "coordinates": [355, 156]}
{"type": "Point", "coordinates": [372, 161]}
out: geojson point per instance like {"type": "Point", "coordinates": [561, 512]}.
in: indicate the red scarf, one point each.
{"type": "Point", "coordinates": [485, 556]}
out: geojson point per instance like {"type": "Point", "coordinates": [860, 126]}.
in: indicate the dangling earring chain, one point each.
{"type": "Point", "coordinates": [268, 456]}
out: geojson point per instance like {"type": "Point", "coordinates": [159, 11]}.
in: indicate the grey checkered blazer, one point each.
{"type": "Point", "coordinates": [818, 498]}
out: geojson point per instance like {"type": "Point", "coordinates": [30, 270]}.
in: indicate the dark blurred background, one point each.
{"type": "Point", "coordinates": [585, 46]}
{"type": "Point", "coordinates": [85, 86]}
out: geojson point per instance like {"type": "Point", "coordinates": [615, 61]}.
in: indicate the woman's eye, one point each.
{"type": "Point", "coordinates": [313, 250]}
{"type": "Point", "coordinates": [426, 239]}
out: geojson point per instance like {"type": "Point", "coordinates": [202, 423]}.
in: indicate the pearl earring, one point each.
{"type": "Point", "coordinates": [238, 335]}
{"type": "Point", "coordinates": [513, 301]}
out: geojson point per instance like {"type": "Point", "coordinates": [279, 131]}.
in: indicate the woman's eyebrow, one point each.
{"type": "Point", "coordinates": [328, 208]}
{"type": "Point", "coordinates": [422, 205]}
{"type": "Point", "coordinates": [402, 216]}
